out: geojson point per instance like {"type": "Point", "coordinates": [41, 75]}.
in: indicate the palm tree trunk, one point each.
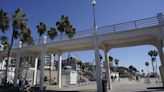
{"type": "Point", "coordinates": [39, 40]}
{"type": "Point", "coordinates": [147, 69]}
{"type": "Point", "coordinates": [156, 68]}
{"type": "Point", "coordinates": [8, 56]}
{"type": "Point", "coordinates": [117, 68]}
{"type": "Point", "coordinates": [61, 35]}
{"type": "Point", "coordinates": [69, 59]}
{"type": "Point", "coordinates": [153, 66]}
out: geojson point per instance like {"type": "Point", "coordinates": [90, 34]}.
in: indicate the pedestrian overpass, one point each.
{"type": "Point", "coordinates": [149, 31]}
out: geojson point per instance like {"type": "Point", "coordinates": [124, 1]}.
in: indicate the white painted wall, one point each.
{"type": "Point", "coordinates": [73, 77]}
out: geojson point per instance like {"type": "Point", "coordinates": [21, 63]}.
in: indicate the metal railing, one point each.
{"type": "Point", "coordinates": [142, 23]}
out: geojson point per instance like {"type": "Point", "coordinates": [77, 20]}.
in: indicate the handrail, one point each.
{"type": "Point", "coordinates": [148, 22]}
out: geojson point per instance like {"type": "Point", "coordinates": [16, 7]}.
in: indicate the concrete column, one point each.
{"type": "Point", "coordinates": [52, 61]}
{"type": "Point", "coordinates": [35, 70]}
{"type": "Point", "coordinates": [59, 68]}
{"type": "Point", "coordinates": [16, 68]}
{"type": "Point", "coordinates": [42, 63]}
{"type": "Point", "coordinates": [9, 63]}
{"type": "Point", "coordinates": [160, 18]}
{"type": "Point", "coordinates": [3, 64]}
{"type": "Point", "coordinates": [161, 55]}
{"type": "Point", "coordinates": [107, 69]}
{"type": "Point", "coordinates": [97, 59]}
{"type": "Point", "coordinates": [160, 51]}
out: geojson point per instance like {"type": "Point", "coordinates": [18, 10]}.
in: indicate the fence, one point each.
{"type": "Point", "coordinates": [142, 23]}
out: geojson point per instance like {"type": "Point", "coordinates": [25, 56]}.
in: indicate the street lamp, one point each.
{"type": "Point", "coordinates": [97, 57]}
{"type": "Point", "coordinates": [94, 16]}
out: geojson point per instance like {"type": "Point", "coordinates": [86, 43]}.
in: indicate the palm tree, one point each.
{"type": "Point", "coordinates": [100, 57]}
{"type": "Point", "coordinates": [132, 69]}
{"type": "Point", "coordinates": [52, 33]}
{"type": "Point", "coordinates": [4, 41]}
{"type": "Point", "coordinates": [147, 65]}
{"type": "Point", "coordinates": [41, 29]}
{"type": "Point", "coordinates": [142, 72]}
{"type": "Point", "coordinates": [116, 63]}
{"type": "Point", "coordinates": [70, 31]}
{"type": "Point", "coordinates": [153, 55]}
{"type": "Point", "coordinates": [4, 25]}
{"type": "Point", "coordinates": [110, 58]}
{"type": "Point", "coordinates": [4, 21]}
{"type": "Point", "coordinates": [30, 41]}
{"type": "Point", "coordinates": [64, 25]}
{"type": "Point", "coordinates": [61, 25]}
{"type": "Point", "coordinates": [25, 36]}
{"type": "Point", "coordinates": [80, 64]}
{"type": "Point", "coordinates": [21, 30]}
{"type": "Point", "coordinates": [19, 19]}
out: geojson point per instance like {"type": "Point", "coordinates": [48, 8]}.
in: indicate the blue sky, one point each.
{"type": "Point", "coordinates": [108, 12]}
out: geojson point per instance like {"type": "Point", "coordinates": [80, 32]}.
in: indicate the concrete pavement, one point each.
{"type": "Point", "coordinates": [124, 85]}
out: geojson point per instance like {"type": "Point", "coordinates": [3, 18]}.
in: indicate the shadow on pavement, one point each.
{"type": "Point", "coordinates": [156, 88]}
{"type": "Point", "coordinates": [69, 91]}
{"type": "Point", "coordinates": [153, 89]}
{"type": "Point", "coordinates": [59, 91]}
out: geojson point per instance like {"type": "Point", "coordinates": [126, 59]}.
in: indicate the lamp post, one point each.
{"type": "Point", "coordinates": [97, 57]}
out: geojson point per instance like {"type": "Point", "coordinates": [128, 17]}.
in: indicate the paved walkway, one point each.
{"type": "Point", "coordinates": [135, 86]}
{"type": "Point", "coordinates": [123, 86]}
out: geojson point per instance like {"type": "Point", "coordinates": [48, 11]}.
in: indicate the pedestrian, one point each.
{"type": "Point", "coordinates": [20, 83]}
{"type": "Point", "coordinates": [54, 81]}
{"type": "Point", "coordinates": [112, 78]}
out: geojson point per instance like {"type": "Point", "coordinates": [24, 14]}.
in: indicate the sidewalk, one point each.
{"type": "Point", "coordinates": [123, 86]}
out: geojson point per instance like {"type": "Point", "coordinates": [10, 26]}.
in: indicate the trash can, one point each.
{"type": "Point", "coordinates": [104, 85]}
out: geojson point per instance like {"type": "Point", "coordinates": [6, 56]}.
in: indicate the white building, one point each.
{"type": "Point", "coordinates": [11, 69]}
{"type": "Point", "coordinates": [11, 64]}
{"type": "Point", "coordinates": [69, 77]}
{"type": "Point", "coordinates": [49, 62]}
